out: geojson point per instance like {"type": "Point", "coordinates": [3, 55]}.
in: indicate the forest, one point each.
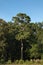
{"type": "Point", "coordinates": [21, 39]}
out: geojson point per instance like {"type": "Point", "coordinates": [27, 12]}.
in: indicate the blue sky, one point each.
{"type": "Point", "coordinates": [33, 8]}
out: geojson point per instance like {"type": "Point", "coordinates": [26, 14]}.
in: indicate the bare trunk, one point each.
{"type": "Point", "coordinates": [21, 50]}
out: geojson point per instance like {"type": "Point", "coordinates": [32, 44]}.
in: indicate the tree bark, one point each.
{"type": "Point", "coordinates": [21, 50]}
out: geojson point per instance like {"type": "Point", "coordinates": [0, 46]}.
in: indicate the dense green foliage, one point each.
{"type": "Point", "coordinates": [20, 39]}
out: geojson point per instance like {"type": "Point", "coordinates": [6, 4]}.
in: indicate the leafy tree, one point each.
{"type": "Point", "coordinates": [20, 39]}
{"type": "Point", "coordinates": [23, 30]}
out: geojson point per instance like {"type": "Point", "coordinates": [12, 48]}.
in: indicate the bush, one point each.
{"type": "Point", "coordinates": [16, 62]}
{"type": "Point", "coordinates": [2, 61]}
{"type": "Point", "coordinates": [26, 61]}
{"type": "Point", "coordinates": [9, 62]}
{"type": "Point", "coordinates": [21, 61]}
{"type": "Point", "coordinates": [38, 61]}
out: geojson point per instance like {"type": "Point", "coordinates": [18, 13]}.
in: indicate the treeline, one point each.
{"type": "Point", "coordinates": [21, 39]}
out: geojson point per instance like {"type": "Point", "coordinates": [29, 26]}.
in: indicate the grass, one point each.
{"type": "Point", "coordinates": [21, 62]}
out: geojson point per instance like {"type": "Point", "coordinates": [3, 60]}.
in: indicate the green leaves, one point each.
{"type": "Point", "coordinates": [21, 18]}
{"type": "Point", "coordinates": [21, 34]}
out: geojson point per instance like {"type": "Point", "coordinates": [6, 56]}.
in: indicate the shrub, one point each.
{"type": "Point", "coordinates": [21, 61]}
{"type": "Point", "coordinates": [16, 62]}
{"type": "Point", "coordinates": [26, 61]}
{"type": "Point", "coordinates": [9, 62]}
{"type": "Point", "coordinates": [2, 61]}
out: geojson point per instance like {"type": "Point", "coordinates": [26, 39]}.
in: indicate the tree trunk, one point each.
{"type": "Point", "coordinates": [21, 50]}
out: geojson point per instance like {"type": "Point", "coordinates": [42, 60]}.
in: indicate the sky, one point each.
{"type": "Point", "coordinates": [33, 8]}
